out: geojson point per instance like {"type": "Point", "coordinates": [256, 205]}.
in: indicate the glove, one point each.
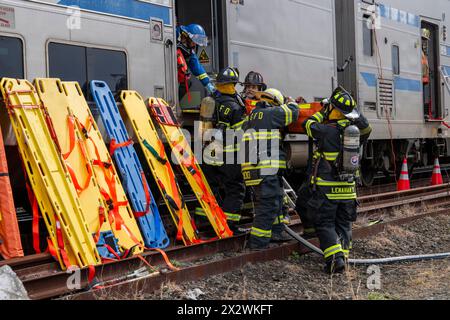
{"type": "Point", "coordinates": [288, 100]}
{"type": "Point", "coordinates": [300, 100]}
{"type": "Point", "coordinates": [326, 111]}
{"type": "Point", "coordinates": [211, 89]}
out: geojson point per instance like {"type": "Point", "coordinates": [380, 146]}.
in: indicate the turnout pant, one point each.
{"type": "Point", "coordinates": [305, 194]}
{"type": "Point", "coordinates": [228, 186]}
{"type": "Point", "coordinates": [333, 223]}
{"type": "Point", "coordinates": [269, 213]}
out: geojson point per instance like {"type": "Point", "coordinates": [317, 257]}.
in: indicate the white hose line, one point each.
{"type": "Point", "coordinates": [421, 257]}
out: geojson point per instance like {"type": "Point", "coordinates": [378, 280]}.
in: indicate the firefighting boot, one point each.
{"type": "Point", "coordinates": [282, 236]}
{"type": "Point", "coordinates": [237, 231]}
{"type": "Point", "coordinates": [335, 265]}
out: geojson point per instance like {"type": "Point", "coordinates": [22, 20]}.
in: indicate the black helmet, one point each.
{"type": "Point", "coordinates": [228, 75]}
{"type": "Point", "coordinates": [255, 79]}
{"type": "Point", "coordinates": [344, 102]}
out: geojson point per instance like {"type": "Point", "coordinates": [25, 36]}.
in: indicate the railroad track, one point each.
{"type": "Point", "coordinates": [43, 279]}
{"type": "Point", "coordinates": [392, 187]}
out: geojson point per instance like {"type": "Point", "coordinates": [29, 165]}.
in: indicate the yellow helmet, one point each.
{"type": "Point", "coordinates": [426, 34]}
{"type": "Point", "coordinates": [273, 96]}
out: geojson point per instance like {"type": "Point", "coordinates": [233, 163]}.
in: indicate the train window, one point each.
{"type": "Point", "coordinates": [11, 58]}
{"type": "Point", "coordinates": [368, 35]}
{"type": "Point", "coordinates": [83, 64]}
{"type": "Point", "coordinates": [68, 63]}
{"type": "Point", "coordinates": [109, 66]}
{"type": "Point", "coordinates": [396, 59]}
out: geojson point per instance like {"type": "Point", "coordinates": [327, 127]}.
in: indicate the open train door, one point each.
{"type": "Point", "coordinates": [430, 71]}
{"type": "Point", "coordinates": [210, 15]}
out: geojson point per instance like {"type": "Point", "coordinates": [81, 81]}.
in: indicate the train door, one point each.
{"type": "Point", "coordinates": [430, 71]}
{"type": "Point", "coordinates": [207, 13]}
{"type": "Point", "coordinates": [346, 45]}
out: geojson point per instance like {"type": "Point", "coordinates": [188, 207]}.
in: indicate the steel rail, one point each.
{"type": "Point", "coordinates": [149, 284]}
{"type": "Point", "coordinates": [43, 278]}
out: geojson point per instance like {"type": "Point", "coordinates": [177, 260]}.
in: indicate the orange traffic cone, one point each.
{"type": "Point", "coordinates": [403, 182]}
{"type": "Point", "coordinates": [436, 178]}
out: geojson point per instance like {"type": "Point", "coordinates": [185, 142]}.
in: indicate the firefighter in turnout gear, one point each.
{"type": "Point", "coordinates": [338, 131]}
{"type": "Point", "coordinates": [264, 164]}
{"type": "Point", "coordinates": [225, 176]}
{"type": "Point", "coordinates": [254, 82]}
{"type": "Point", "coordinates": [189, 38]}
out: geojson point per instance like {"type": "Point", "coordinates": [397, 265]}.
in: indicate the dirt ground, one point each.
{"type": "Point", "coordinates": [301, 277]}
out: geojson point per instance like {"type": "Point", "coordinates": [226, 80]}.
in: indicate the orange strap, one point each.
{"type": "Point", "coordinates": [35, 226]}
{"type": "Point", "coordinates": [71, 125]}
{"type": "Point", "coordinates": [35, 210]}
{"type": "Point", "coordinates": [114, 145]}
{"type": "Point", "coordinates": [60, 239]}
{"type": "Point", "coordinates": [35, 223]}
{"type": "Point", "coordinates": [114, 216]}
{"type": "Point", "coordinates": [102, 218]}
{"type": "Point", "coordinates": [51, 128]}
{"type": "Point", "coordinates": [91, 274]}
{"type": "Point", "coordinates": [51, 249]}
{"type": "Point", "coordinates": [175, 191]}
{"type": "Point", "coordinates": [165, 257]}
{"type": "Point", "coordinates": [218, 214]}
{"type": "Point", "coordinates": [80, 188]}
{"type": "Point", "coordinates": [147, 197]}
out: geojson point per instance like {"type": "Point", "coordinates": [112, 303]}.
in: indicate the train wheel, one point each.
{"type": "Point", "coordinates": [367, 174]}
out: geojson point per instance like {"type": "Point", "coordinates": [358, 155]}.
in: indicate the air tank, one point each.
{"type": "Point", "coordinates": [351, 149]}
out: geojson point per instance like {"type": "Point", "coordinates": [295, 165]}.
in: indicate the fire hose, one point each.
{"type": "Point", "coordinates": [412, 258]}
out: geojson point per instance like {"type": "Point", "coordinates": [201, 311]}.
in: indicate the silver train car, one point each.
{"type": "Point", "coordinates": [305, 48]}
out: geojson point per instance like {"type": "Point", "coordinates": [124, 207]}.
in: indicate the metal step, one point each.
{"type": "Point", "coordinates": [289, 193]}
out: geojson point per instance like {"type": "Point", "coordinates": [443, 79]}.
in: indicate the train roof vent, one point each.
{"type": "Point", "coordinates": [385, 98]}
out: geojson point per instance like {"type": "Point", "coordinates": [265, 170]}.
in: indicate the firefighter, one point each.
{"type": "Point", "coordinates": [426, 34]}
{"type": "Point", "coordinates": [254, 82]}
{"type": "Point", "coordinates": [225, 176]}
{"type": "Point", "coordinates": [306, 215]}
{"type": "Point", "coordinates": [189, 38]}
{"type": "Point", "coordinates": [264, 164]}
{"type": "Point", "coordinates": [334, 173]}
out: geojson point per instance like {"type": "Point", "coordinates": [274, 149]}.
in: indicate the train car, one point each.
{"type": "Point", "coordinates": [400, 77]}
{"type": "Point", "coordinates": [394, 56]}
{"type": "Point", "coordinates": [300, 46]}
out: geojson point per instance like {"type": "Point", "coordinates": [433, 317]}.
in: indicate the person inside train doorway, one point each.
{"type": "Point", "coordinates": [264, 166]}
{"type": "Point", "coordinates": [189, 38]}
{"type": "Point", "coordinates": [225, 176]}
{"type": "Point", "coordinates": [426, 34]}
{"type": "Point", "coordinates": [338, 131]}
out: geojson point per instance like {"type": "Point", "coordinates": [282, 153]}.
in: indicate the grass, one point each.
{"type": "Point", "coordinates": [294, 257]}
{"type": "Point", "coordinates": [176, 263]}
